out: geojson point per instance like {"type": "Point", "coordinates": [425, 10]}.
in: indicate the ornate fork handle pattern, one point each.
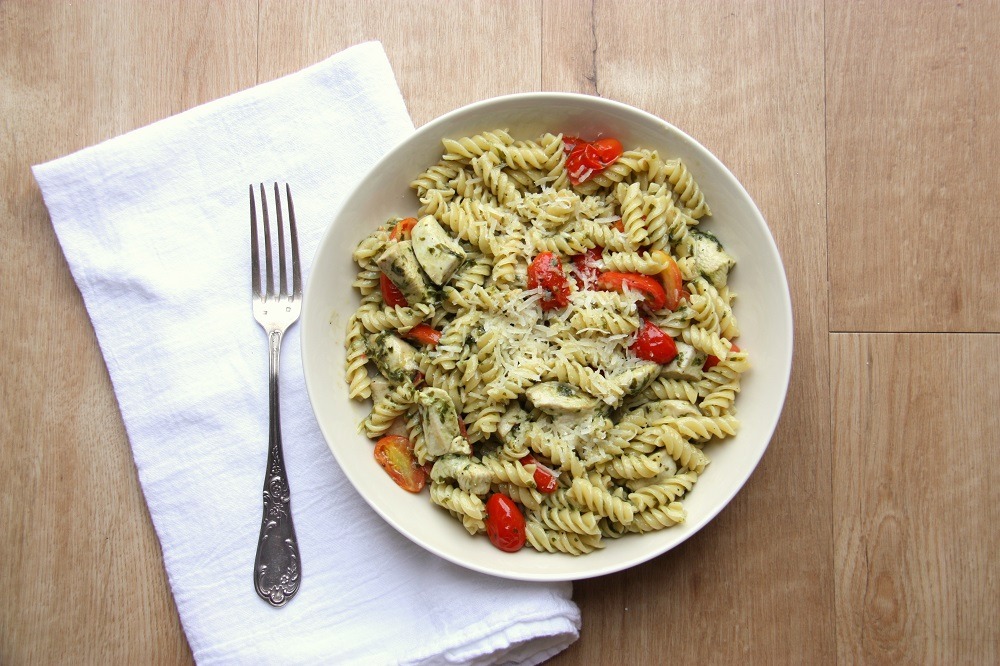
{"type": "Point", "coordinates": [276, 568]}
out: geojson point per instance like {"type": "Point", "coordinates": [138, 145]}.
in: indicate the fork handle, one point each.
{"type": "Point", "coordinates": [276, 568]}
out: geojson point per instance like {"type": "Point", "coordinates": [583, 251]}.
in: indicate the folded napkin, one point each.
{"type": "Point", "coordinates": [155, 227]}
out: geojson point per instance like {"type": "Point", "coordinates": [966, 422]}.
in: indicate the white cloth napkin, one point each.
{"type": "Point", "coordinates": [155, 227]}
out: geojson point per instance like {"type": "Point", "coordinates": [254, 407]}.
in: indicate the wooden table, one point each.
{"type": "Point", "coordinates": [867, 132]}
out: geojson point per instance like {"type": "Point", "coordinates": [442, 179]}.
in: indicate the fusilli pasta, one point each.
{"type": "Point", "coordinates": [516, 369]}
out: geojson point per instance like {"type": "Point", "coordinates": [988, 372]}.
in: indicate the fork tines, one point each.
{"type": "Point", "coordinates": [282, 288]}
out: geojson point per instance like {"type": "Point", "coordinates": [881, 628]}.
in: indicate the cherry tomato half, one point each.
{"type": "Point", "coordinates": [424, 334]}
{"type": "Point", "coordinates": [545, 479]}
{"type": "Point", "coordinates": [504, 523]}
{"type": "Point", "coordinates": [403, 228]}
{"type": "Point", "coordinates": [713, 361]}
{"type": "Point", "coordinates": [652, 291]}
{"type": "Point", "coordinates": [390, 292]}
{"type": "Point", "coordinates": [395, 454]}
{"type": "Point", "coordinates": [653, 344]}
{"type": "Point", "coordinates": [546, 272]}
{"type": "Point", "coordinates": [608, 150]}
{"type": "Point", "coordinates": [586, 265]}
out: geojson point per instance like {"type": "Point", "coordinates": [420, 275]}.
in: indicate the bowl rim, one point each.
{"type": "Point", "coordinates": [311, 380]}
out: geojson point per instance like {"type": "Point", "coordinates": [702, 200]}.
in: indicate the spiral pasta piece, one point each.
{"type": "Point", "coordinates": [685, 186]}
{"type": "Point", "coordinates": [555, 541]}
{"type": "Point", "coordinates": [474, 273]}
{"type": "Point", "coordinates": [658, 518]}
{"type": "Point", "coordinates": [387, 409]}
{"type": "Point", "coordinates": [716, 309]}
{"type": "Point", "coordinates": [470, 147]}
{"type": "Point", "coordinates": [499, 183]}
{"type": "Point", "coordinates": [587, 495]}
{"type": "Point", "coordinates": [509, 471]}
{"type": "Point", "coordinates": [663, 493]}
{"type": "Point", "coordinates": [588, 379]}
{"type": "Point", "coordinates": [707, 341]}
{"type": "Point", "coordinates": [633, 466]}
{"type": "Point", "coordinates": [560, 453]}
{"type": "Point", "coordinates": [605, 235]}
{"type": "Point", "coordinates": [584, 320]}
{"type": "Point", "coordinates": [357, 372]}
{"type": "Point", "coordinates": [634, 262]}
{"type": "Point", "coordinates": [568, 520]}
{"type": "Point", "coordinates": [527, 155]}
{"type": "Point", "coordinates": [369, 248]}
{"type": "Point", "coordinates": [400, 318]}
{"type": "Point", "coordinates": [704, 428]}
{"type": "Point", "coordinates": [684, 452]}
{"type": "Point", "coordinates": [436, 177]}
{"type": "Point", "coordinates": [455, 499]}
{"type": "Point", "coordinates": [665, 388]}
{"type": "Point", "coordinates": [563, 243]}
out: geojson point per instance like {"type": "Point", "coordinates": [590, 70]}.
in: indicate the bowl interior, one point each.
{"type": "Point", "coordinates": [763, 310]}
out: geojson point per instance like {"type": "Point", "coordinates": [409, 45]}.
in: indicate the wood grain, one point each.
{"type": "Point", "coordinates": [80, 561]}
{"type": "Point", "coordinates": [445, 53]}
{"type": "Point", "coordinates": [866, 129]}
{"type": "Point", "coordinates": [918, 498]}
{"type": "Point", "coordinates": [912, 126]}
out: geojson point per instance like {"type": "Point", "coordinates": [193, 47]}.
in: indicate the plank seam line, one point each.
{"type": "Point", "coordinates": [860, 332]}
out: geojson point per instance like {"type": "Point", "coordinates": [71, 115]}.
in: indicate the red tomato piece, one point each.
{"type": "Point", "coordinates": [570, 142]}
{"type": "Point", "coordinates": [652, 291]}
{"type": "Point", "coordinates": [619, 225]}
{"type": "Point", "coordinates": [390, 292]}
{"type": "Point", "coordinates": [504, 523]}
{"type": "Point", "coordinates": [582, 163]}
{"type": "Point", "coordinates": [395, 454]}
{"type": "Point", "coordinates": [546, 272]}
{"type": "Point", "coordinates": [608, 150]}
{"type": "Point", "coordinates": [545, 478]}
{"type": "Point", "coordinates": [587, 265]}
{"type": "Point", "coordinates": [585, 158]}
{"type": "Point", "coordinates": [424, 334]}
{"type": "Point", "coordinates": [653, 344]}
{"type": "Point", "coordinates": [713, 360]}
{"type": "Point", "coordinates": [403, 228]}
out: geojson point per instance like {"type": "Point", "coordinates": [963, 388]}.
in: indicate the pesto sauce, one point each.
{"type": "Point", "coordinates": [565, 390]}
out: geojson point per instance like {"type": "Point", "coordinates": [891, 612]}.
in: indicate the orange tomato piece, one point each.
{"type": "Point", "coordinates": [403, 228]}
{"type": "Point", "coordinates": [394, 454]}
{"type": "Point", "coordinates": [424, 334]}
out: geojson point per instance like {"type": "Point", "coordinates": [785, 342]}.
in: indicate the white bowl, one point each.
{"type": "Point", "coordinates": [763, 310]}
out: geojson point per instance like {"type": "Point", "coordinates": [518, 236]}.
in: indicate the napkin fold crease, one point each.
{"type": "Point", "coordinates": [155, 227]}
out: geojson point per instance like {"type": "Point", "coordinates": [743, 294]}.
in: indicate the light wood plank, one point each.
{"type": "Point", "coordinates": [80, 562]}
{"type": "Point", "coordinates": [917, 498]}
{"type": "Point", "coordinates": [446, 53]}
{"type": "Point", "coordinates": [913, 134]}
{"type": "Point", "coordinates": [757, 582]}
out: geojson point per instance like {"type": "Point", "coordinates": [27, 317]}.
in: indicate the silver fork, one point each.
{"type": "Point", "coordinates": [277, 570]}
